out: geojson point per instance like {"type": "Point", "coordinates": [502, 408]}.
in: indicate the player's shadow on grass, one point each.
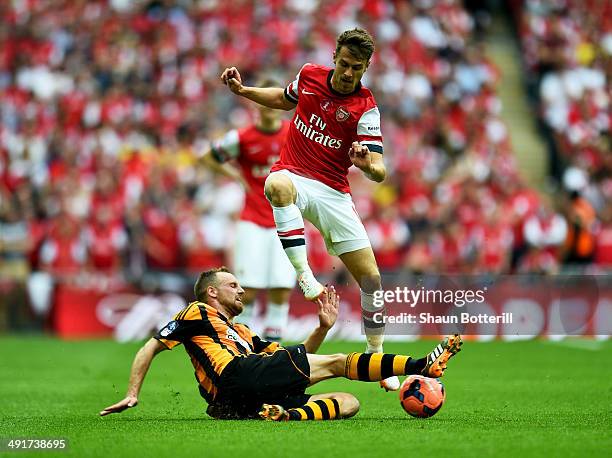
{"type": "Point", "coordinates": [404, 420]}
{"type": "Point", "coordinates": [165, 419]}
{"type": "Point", "coordinates": [365, 419]}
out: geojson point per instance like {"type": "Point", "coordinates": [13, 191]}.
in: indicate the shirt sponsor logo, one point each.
{"type": "Point", "coordinates": [311, 131]}
{"type": "Point", "coordinates": [233, 335]}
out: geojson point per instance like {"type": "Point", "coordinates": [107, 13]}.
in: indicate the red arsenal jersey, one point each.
{"type": "Point", "coordinates": [325, 125]}
{"type": "Point", "coordinates": [255, 151]}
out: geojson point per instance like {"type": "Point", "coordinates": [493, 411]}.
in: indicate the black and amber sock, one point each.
{"type": "Point", "coordinates": [322, 409]}
{"type": "Point", "coordinates": [371, 367]}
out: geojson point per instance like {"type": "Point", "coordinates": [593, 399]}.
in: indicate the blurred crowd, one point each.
{"type": "Point", "coordinates": [567, 49]}
{"type": "Point", "coordinates": [105, 103]}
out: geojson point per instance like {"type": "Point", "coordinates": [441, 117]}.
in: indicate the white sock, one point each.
{"type": "Point", "coordinates": [374, 331]}
{"type": "Point", "coordinates": [290, 230]}
{"type": "Point", "coordinates": [277, 316]}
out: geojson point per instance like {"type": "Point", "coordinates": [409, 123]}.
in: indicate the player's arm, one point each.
{"type": "Point", "coordinates": [367, 152]}
{"type": "Point", "coordinates": [271, 97]}
{"type": "Point", "coordinates": [221, 151]}
{"type": "Point", "coordinates": [328, 304]}
{"type": "Point", "coordinates": [369, 162]}
{"type": "Point", "coordinates": [140, 367]}
{"type": "Point", "coordinates": [209, 161]}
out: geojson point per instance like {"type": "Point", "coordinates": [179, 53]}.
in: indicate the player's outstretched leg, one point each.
{"type": "Point", "coordinates": [372, 367]}
{"type": "Point", "coordinates": [290, 228]}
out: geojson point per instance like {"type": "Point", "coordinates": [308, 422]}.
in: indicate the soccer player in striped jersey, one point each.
{"type": "Point", "coordinates": [254, 149]}
{"type": "Point", "coordinates": [242, 376]}
{"type": "Point", "coordinates": [336, 125]}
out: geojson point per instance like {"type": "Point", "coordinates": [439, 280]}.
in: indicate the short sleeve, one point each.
{"type": "Point", "coordinates": [170, 335]}
{"type": "Point", "coordinates": [228, 147]}
{"type": "Point", "coordinates": [368, 130]}
{"type": "Point", "coordinates": [183, 327]}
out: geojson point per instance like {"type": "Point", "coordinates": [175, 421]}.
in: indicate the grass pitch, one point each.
{"type": "Point", "coordinates": [503, 399]}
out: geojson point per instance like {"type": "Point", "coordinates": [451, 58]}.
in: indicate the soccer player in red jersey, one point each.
{"type": "Point", "coordinates": [255, 149]}
{"type": "Point", "coordinates": [336, 125]}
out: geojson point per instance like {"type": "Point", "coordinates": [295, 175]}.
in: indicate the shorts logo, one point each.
{"type": "Point", "coordinates": [327, 105]}
{"type": "Point", "coordinates": [168, 329]}
{"type": "Point", "coordinates": [342, 114]}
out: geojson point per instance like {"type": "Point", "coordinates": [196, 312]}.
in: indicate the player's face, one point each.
{"type": "Point", "coordinates": [229, 293]}
{"type": "Point", "coordinates": [348, 71]}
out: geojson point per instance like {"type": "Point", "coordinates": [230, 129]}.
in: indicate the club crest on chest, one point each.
{"type": "Point", "coordinates": [342, 114]}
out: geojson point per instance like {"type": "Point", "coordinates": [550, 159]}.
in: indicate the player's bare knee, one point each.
{"type": "Point", "coordinates": [349, 404]}
{"type": "Point", "coordinates": [279, 190]}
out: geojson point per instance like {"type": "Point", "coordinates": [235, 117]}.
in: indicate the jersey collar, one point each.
{"type": "Point", "coordinates": [340, 94]}
{"type": "Point", "coordinates": [210, 308]}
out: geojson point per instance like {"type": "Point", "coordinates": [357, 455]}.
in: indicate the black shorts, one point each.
{"type": "Point", "coordinates": [248, 382]}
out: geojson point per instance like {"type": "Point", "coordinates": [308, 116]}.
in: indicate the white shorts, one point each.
{"type": "Point", "coordinates": [259, 259]}
{"type": "Point", "coordinates": [331, 212]}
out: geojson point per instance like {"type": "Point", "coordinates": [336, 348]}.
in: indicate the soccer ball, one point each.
{"type": "Point", "coordinates": [422, 396]}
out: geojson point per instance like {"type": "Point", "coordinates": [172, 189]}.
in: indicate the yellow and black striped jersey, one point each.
{"type": "Point", "coordinates": [212, 342]}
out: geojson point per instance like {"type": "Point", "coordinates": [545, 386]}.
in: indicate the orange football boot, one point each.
{"type": "Point", "coordinates": [273, 412]}
{"type": "Point", "coordinates": [439, 356]}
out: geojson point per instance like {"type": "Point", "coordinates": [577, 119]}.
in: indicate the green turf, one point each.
{"type": "Point", "coordinates": [525, 398]}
